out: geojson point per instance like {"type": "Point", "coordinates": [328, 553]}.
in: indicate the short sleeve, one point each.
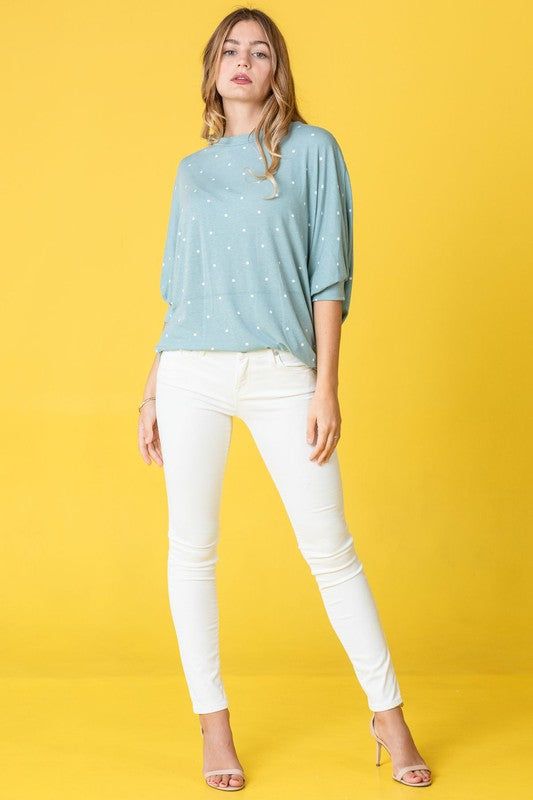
{"type": "Point", "coordinates": [330, 255]}
{"type": "Point", "coordinates": [170, 244]}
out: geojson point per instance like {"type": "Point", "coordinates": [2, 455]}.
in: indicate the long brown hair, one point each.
{"type": "Point", "coordinates": [280, 107]}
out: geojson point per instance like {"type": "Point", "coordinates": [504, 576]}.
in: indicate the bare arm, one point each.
{"type": "Point", "coordinates": [327, 323]}
{"type": "Point", "coordinates": [149, 389]}
{"type": "Point", "coordinates": [148, 433]}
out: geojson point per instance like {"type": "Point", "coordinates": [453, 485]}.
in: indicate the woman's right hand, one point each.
{"type": "Point", "coordinates": [149, 442]}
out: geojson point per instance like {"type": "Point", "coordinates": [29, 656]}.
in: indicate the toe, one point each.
{"type": "Point", "coordinates": [223, 780]}
{"type": "Point", "coordinates": [418, 776]}
{"type": "Point", "coordinates": [236, 780]}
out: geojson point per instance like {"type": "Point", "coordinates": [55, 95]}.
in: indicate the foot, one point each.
{"type": "Point", "coordinates": [392, 728]}
{"type": "Point", "coordinates": [219, 750]}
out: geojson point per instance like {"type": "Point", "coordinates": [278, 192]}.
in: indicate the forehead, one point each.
{"type": "Point", "coordinates": [246, 32]}
{"type": "Point", "coordinates": [250, 42]}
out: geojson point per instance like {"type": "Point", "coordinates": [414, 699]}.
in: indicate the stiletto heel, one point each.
{"type": "Point", "coordinates": [399, 775]}
{"type": "Point", "coordinates": [234, 771]}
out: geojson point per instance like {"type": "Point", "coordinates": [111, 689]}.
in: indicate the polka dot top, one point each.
{"type": "Point", "coordinates": [242, 273]}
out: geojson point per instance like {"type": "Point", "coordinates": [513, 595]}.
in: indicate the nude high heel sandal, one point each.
{"type": "Point", "coordinates": [234, 771]}
{"type": "Point", "coordinates": [399, 775]}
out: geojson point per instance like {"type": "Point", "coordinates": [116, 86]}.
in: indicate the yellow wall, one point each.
{"type": "Point", "coordinates": [431, 106]}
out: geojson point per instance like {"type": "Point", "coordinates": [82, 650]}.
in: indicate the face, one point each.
{"type": "Point", "coordinates": [245, 51]}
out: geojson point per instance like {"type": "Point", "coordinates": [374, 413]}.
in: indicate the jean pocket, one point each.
{"type": "Point", "coordinates": [287, 359]}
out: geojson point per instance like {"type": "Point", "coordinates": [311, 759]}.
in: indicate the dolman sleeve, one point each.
{"type": "Point", "coordinates": [170, 244]}
{"type": "Point", "coordinates": [330, 252]}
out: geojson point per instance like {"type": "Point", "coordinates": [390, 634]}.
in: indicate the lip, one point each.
{"type": "Point", "coordinates": [240, 77]}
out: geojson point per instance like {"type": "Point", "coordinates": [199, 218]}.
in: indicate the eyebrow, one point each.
{"type": "Point", "coordinates": [236, 41]}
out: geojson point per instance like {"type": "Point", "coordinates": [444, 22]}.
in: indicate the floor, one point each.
{"type": "Point", "coordinates": [131, 737]}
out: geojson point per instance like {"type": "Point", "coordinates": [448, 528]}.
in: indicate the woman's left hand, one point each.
{"type": "Point", "coordinates": [323, 424]}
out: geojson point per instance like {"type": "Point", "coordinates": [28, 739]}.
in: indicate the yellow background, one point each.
{"type": "Point", "coordinates": [431, 104]}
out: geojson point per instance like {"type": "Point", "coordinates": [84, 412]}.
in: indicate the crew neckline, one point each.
{"type": "Point", "coordinates": [242, 138]}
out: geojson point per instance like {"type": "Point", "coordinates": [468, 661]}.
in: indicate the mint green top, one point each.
{"type": "Point", "coordinates": [240, 272]}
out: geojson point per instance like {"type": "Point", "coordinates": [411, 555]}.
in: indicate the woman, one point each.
{"type": "Point", "coordinates": [257, 289]}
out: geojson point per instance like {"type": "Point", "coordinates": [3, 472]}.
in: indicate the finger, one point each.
{"type": "Point", "coordinates": [311, 429]}
{"type": "Point", "coordinates": [159, 451]}
{"type": "Point", "coordinates": [333, 438]}
{"type": "Point", "coordinates": [149, 425]}
{"type": "Point", "coordinates": [157, 443]}
{"type": "Point", "coordinates": [153, 452]}
{"type": "Point", "coordinates": [146, 441]}
{"type": "Point", "coordinates": [320, 445]}
{"type": "Point", "coordinates": [142, 446]}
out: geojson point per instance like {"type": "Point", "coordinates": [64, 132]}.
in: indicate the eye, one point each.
{"type": "Point", "coordinates": [257, 53]}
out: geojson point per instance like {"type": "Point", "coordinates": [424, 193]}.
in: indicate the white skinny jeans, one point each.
{"type": "Point", "coordinates": [197, 394]}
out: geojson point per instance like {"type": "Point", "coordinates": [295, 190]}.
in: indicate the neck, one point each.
{"type": "Point", "coordinates": [240, 120]}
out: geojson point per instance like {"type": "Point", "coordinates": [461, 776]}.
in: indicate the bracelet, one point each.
{"type": "Point", "coordinates": [145, 401]}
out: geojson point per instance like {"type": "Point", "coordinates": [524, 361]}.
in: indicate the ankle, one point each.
{"type": "Point", "coordinates": [390, 724]}
{"type": "Point", "coordinates": [215, 721]}
{"type": "Point", "coordinates": [389, 714]}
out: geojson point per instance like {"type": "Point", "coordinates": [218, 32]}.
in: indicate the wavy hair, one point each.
{"type": "Point", "coordinates": [280, 107]}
